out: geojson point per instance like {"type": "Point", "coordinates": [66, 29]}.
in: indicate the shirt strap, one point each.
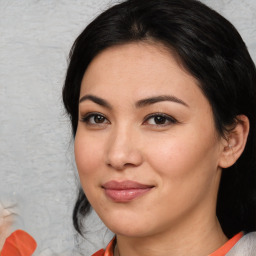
{"type": "Point", "coordinates": [223, 250]}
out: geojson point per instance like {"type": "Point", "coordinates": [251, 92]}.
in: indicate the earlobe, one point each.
{"type": "Point", "coordinates": [235, 143]}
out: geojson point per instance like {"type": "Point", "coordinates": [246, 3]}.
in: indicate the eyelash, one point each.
{"type": "Point", "coordinates": [88, 116]}
{"type": "Point", "coordinates": [166, 118]}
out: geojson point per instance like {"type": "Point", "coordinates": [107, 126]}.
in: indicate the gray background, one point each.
{"type": "Point", "coordinates": [38, 179]}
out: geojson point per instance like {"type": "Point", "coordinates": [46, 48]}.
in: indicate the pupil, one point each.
{"type": "Point", "coordinates": [99, 119]}
{"type": "Point", "coordinates": [160, 120]}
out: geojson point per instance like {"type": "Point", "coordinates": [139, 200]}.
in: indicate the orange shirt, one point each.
{"type": "Point", "coordinates": [222, 251]}
{"type": "Point", "coordinates": [19, 243]}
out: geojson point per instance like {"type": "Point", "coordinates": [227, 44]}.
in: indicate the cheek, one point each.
{"type": "Point", "coordinates": [166, 155]}
{"type": "Point", "coordinates": [87, 155]}
{"type": "Point", "coordinates": [182, 158]}
{"type": "Point", "coordinates": [88, 158]}
{"type": "Point", "coordinates": [186, 170]}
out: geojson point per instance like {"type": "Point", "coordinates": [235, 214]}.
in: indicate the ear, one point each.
{"type": "Point", "coordinates": [235, 141]}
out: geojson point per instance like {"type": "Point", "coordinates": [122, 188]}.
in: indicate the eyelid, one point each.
{"type": "Point", "coordinates": [85, 118]}
{"type": "Point", "coordinates": [169, 118]}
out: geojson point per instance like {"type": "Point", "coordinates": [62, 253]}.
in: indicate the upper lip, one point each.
{"type": "Point", "coordinates": [123, 185]}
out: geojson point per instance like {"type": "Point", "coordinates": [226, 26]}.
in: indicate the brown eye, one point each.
{"type": "Point", "coordinates": [98, 119]}
{"type": "Point", "coordinates": [160, 120]}
{"type": "Point", "coordinates": [95, 119]}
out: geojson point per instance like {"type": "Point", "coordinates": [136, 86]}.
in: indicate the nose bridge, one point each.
{"type": "Point", "coordinates": [123, 147]}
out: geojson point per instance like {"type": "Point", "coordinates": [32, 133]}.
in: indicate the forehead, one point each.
{"type": "Point", "coordinates": [138, 69]}
{"type": "Point", "coordinates": [147, 54]}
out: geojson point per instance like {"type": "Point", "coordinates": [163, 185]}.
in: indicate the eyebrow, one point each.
{"type": "Point", "coordinates": [152, 100]}
{"type": "Point", "coordinates": [96, 100]}
{"type": "Point", "coordinates": [139, 104]}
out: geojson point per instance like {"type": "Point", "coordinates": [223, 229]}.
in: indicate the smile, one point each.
{"type": "Point", "coordinates": [125, 191]}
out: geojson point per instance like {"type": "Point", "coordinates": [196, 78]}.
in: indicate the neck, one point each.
{"type": "Point", "coordinates": [193, 241]}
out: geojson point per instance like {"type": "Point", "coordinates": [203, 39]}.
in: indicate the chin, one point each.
{"type": "Point", "coordinates": [129, 230]}
{"type": "Point", "coordinates": [129, 226]}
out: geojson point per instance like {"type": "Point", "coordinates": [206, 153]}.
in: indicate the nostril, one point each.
{"type": "Point", "coordinates": [124, 160]}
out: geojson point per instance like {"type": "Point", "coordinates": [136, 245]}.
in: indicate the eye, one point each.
{"type": "Point", "coordinates": [159, 119]}
{"type": "Point", "coordinates": [95, 119]}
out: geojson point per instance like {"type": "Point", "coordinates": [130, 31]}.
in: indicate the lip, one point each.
{"type": "Point", "coordinates": [125, 191]}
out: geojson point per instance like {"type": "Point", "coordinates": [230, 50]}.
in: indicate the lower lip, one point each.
{"type": "Point", "coordinates": [125, 195]}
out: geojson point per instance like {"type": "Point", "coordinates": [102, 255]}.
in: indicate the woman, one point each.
{"type": "Point", "coordinates": [162, 101]}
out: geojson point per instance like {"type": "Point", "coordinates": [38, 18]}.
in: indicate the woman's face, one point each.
{"type": "Point", "coordinates": [146, 148]}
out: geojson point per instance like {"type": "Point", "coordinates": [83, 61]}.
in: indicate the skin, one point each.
{"type": "Point", "coordinates": [6, 221]}
{"type": "Point", "coordinates": [181, 159]}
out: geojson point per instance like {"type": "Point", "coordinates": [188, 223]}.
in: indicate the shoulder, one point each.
{"type": "Point", "coordinates": [246, 246]}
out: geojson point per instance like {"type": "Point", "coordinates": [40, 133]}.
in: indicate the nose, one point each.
{"type": "Point", "coordinates": [123, 150]}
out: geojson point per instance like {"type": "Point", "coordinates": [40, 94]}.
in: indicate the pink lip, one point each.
{"type": "Point", "coordinates": [126, 190]}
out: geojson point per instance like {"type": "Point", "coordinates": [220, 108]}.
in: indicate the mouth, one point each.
{"type": "Point", "coordinates": [125, 191]}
